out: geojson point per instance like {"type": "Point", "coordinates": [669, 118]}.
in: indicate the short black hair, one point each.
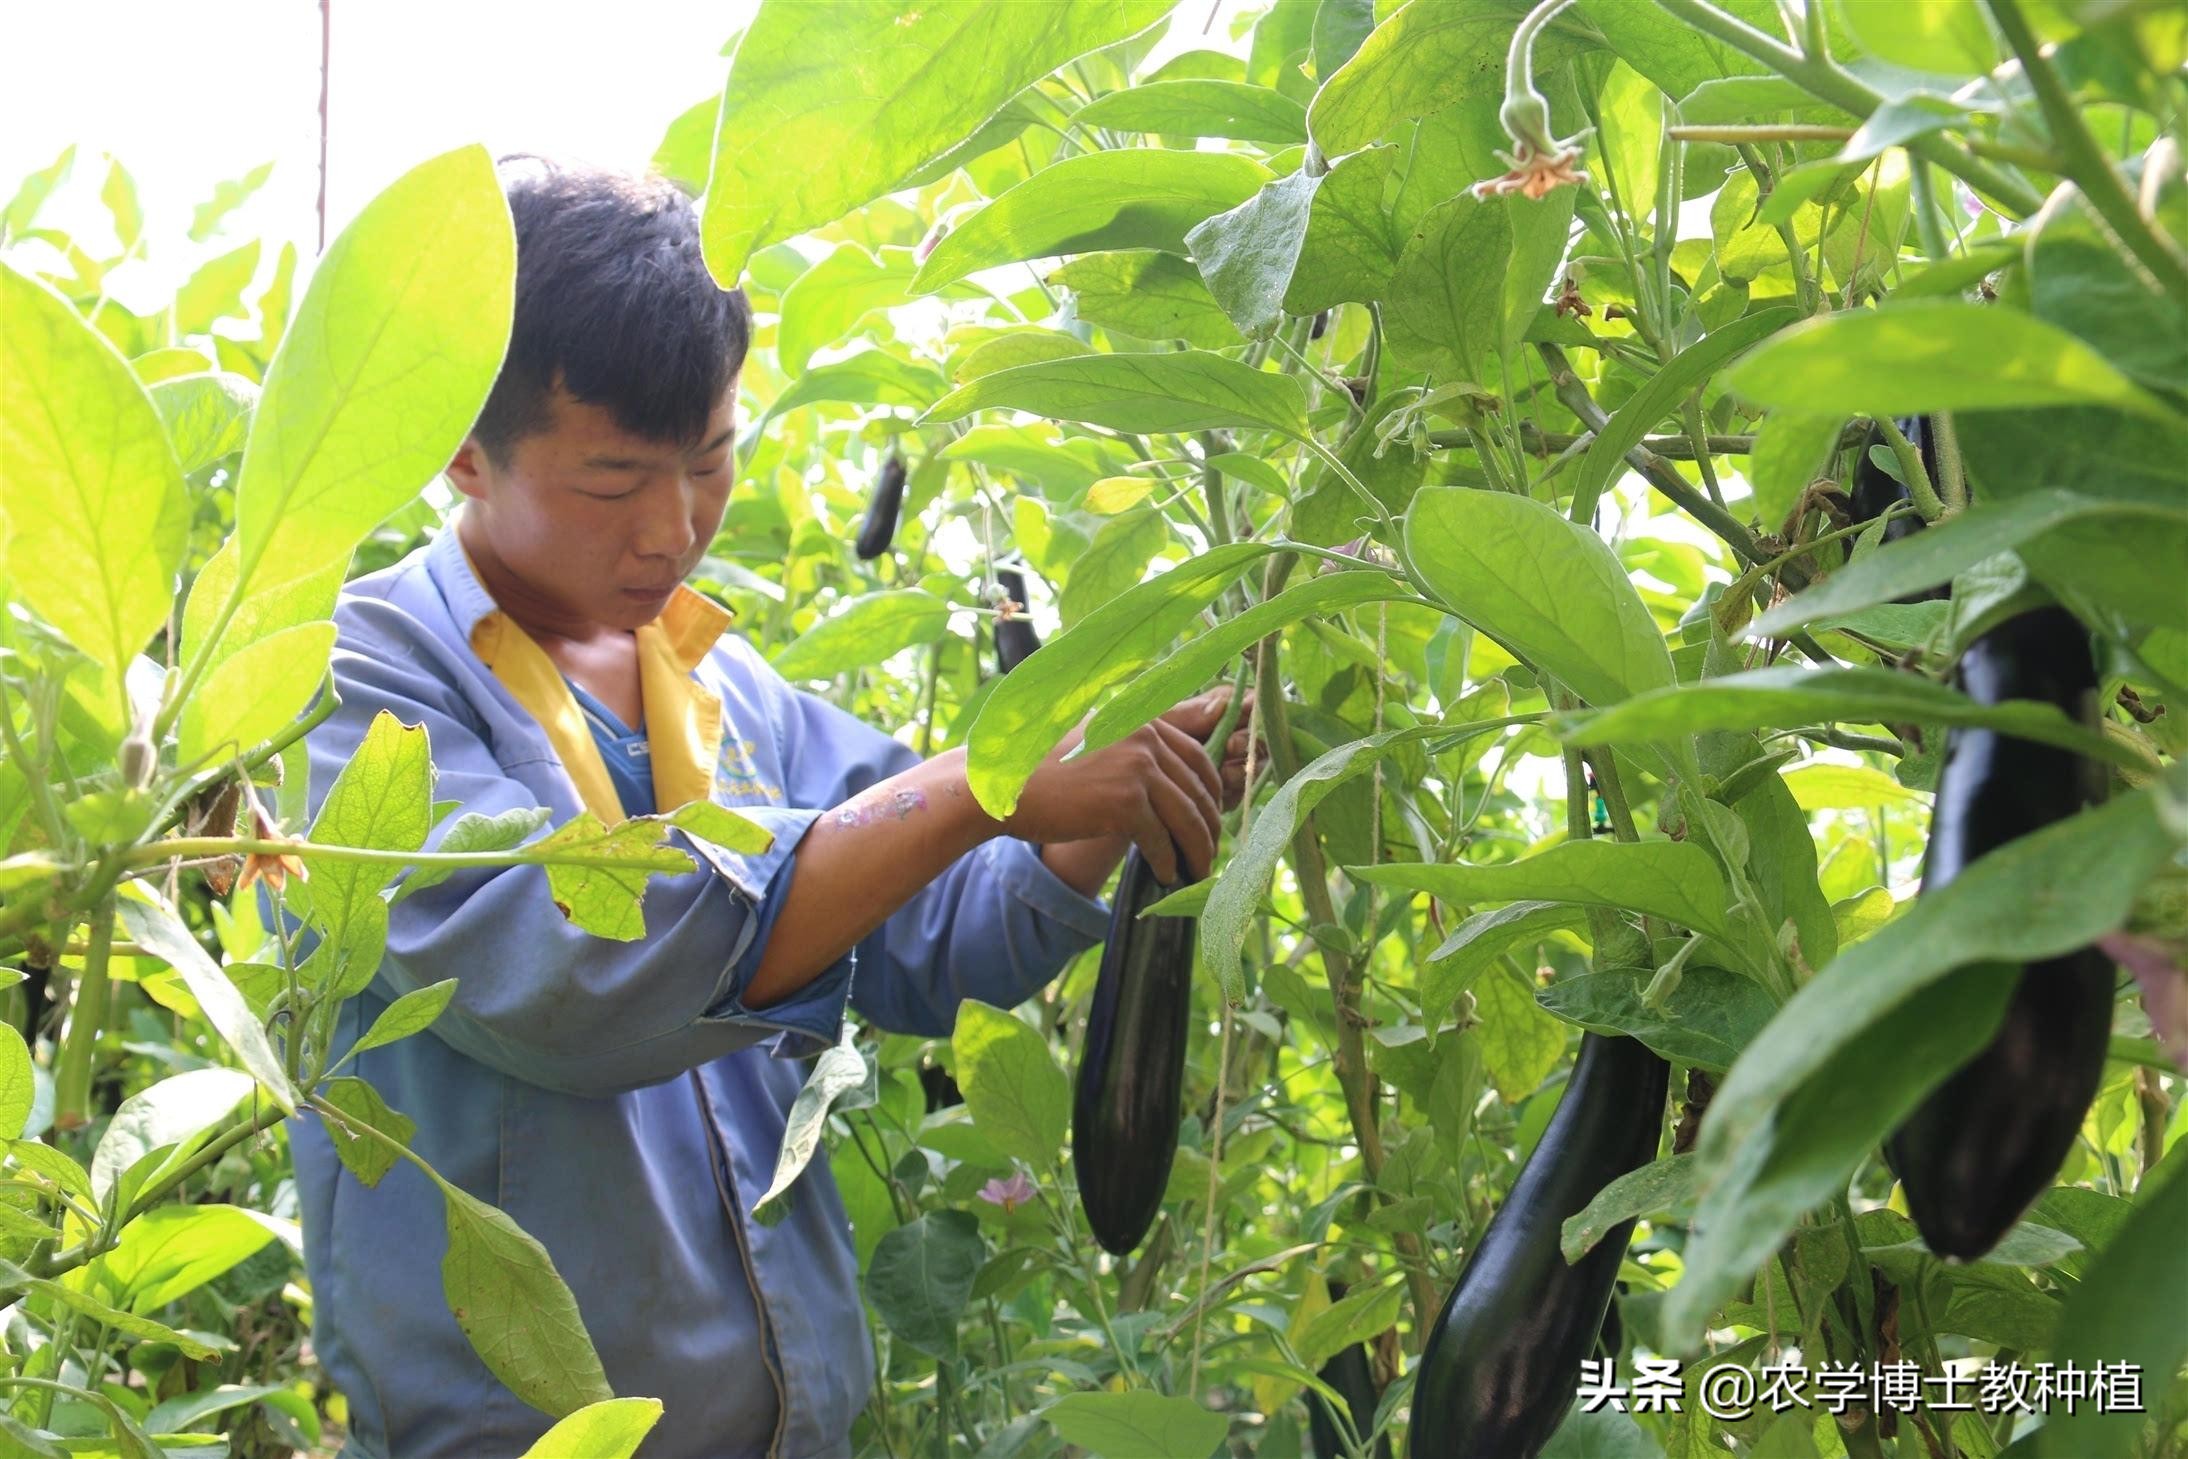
{"type": "Point", "coordinates": [614, 304]}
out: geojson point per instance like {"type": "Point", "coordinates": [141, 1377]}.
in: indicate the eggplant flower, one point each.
{"type": "Point", "coordinates": [275, 867]}
{"type": "Point", "coordinates": [1009, 1194]}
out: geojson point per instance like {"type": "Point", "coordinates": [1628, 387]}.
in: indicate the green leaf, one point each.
{"type": "Point", "coordinates": [1911, 359]}
{"type": "Point", "coordinates": [1177, 675]}
{"type": "Point", "coordinates": [2110, 1317]}
{"type": "Point", "coordinates": [2101, 452]}
{"type": "Point", "coordinates": [1026, 345]}
{"type": "Point", "coordinates": [871, 95]}
{"type": "Point", "coordinates": [1520, 1044]}
{"type": "Point", "coordinates": [1429, 56]}
{"type": "Point", "coordinates": [473, 831]}
{"type": "Point", "coordinates": [256, 692]}
{"type": "Point", "coordinates": [1350, 250]}
{"type": "Point", "coordinates": [1142, 293]}
{"type": "Point", "coordinates": [871, 377]}
{"type": "Point", "coordinates": [186, 1411]}
{"type": "Point", "coordinates": [1830, 1074]}
{"type": "Point", "coordinates": [1136, 1425]}
{"type": "Point", "coordinates": [921, 1277]}
{"type": "Point", "coordinates": [1825, 787]}
{"type": "Point", "coordinates": [515, 1308]}
{"type": "Point", "coordinates": [18, 1085]}
{"type": "Point", "coordinates": [175, 1111]}
{"type": "Point", "coordinates": [227, 196]}
{"type": "Point", "coordinates": [1792, 449]}
{"type": "Point", "coordinates": [1657, 1187]}
{"type": "Point", "coordinates": [1706, 1020]}
{"type": "Point", "coordinates": [722, 826]}
{"type": "Point", "coordinates": [1942, 36]}
{"type": "Point", "coordinates": [171, 1251]}
{"type": "Point", "coordinates": [1480, 941]}
{"type": "Point", "coordinates": [367, 1156]}
{"type": "Point", "coordinates": [597, 874]}
{"type": "Point", "coordinates": [157, 928]}
{"type": "Point", "coordinates": [864, 632]}
{"type": "Point", "coordinates": [1933, 556]}
{"type": "Point", "coordinates": [1549, 589]}
{"type": "Point", "coordinates": [382, 372]}
{"type": "Point", "coordinates": [1018, 1097]}
{"type": "Point", "coordinates": [1675, 880]}
{"type": "Point", "coordinates": [610, 1429]}
{"type": "Point", "coordinates": [207, 415]}
{"type": "Point", "coordinates": [1443, 310]}
{"type": "Point", "coordinates": [1036, 705]}
{"type": "Point", "coordinates": [1686, 373]}
{"type": "Point", "coordinates": [142, 1329]}
{"type": "Point", "coordinates": [1355, 1317]}
{"type": "Point", "coordinates": [257, 615]}
{"type": "Point", "coordinates": [414, 1012]}
{"type": "Point", "coordinates": [834, 1074]}
{"type": "Point", "coordinates": [1191, 390]}
{"type": "Point", "coordinates": [1199, 107]}
{"type": "Point", "coordinates": [1248, 254]}
{"type": "Point", "coordinates": [1138, 197]}
{"type": "Point", "coordinates": [1113, 563]}
{"type": "Point", "coordinates": [381, 801]}
{"type": "Point", "coordinates": [823, 304]}
{"type": "Point", "coordinates": [1059, 467]}
{"type": "Point", "coordinates": [1787, 695]}
{"type": "Point", "coordinates": [92, 511]}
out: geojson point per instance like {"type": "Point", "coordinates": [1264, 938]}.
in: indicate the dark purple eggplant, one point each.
{"type": "Point", "coordinates": [879, 529]}
{"type": "Point", "coordinates": [1503, 1359]}
{"type": "Point", "coordinates": [940, 1087]}
{"type": "Point", "coordinates": [1877, 491]}
{"type": "Point", "coordinates": [1124, 1120]}
{"type": "Point", "coordinates": [1987, 1142]}
{"type": "Point", "coordinates": [1351, 1375]}
{"type": "Point", "coordinates": [1321, 325]}
{"type": "Point", "coordinates": [1015, 640]}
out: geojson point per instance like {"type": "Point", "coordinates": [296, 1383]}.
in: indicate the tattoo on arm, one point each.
{"type": "Point", "coordinates": [874, 805]}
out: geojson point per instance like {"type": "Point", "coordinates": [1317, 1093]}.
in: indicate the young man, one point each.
{"type": "Point", "coordinates": [624, 1101]}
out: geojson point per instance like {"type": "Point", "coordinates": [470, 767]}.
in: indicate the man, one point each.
{"type": "Point", "coordinates": [624, 1101]}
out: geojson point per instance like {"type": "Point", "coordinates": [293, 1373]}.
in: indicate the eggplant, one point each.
{"type": "Point", "coordinates": [1986, 1143]}
{"type": "Point", "coordinates": [1015, 641]}
{"type": "Point", "coordinates": [1350, 1375]}
{"type": "Point", "coordinates": [879, 529]}
{"type": "Point", "coordinates": [940, 1088]}
{"type": "Point", "coordinates": [1503, 1359]}
{"type": "Point", "coordinates": [1876, 491]}
{"type": "Point", "coordinates": [1124, 1115]}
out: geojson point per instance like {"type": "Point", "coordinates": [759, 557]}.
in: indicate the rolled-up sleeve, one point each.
{"type": "Point", "coordinates": [538, 997]}
{"type": "Point", "coordinates": [997, 925]}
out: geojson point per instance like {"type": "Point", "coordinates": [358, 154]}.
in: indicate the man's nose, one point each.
{"type": "Point", "coordinates": [667, 530]}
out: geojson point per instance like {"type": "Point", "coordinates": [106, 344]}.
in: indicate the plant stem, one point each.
{"type": "Point", "coordinates": [2086, 163]}
{"type": "Point", "coordinates": [1911, 467]}
{"type": "Point", "coordinates": [1821, 78]}
{"type": "Point", "coordinates": [87, 1015]}
{"type": "Point", "coordinates": [1775, 133]}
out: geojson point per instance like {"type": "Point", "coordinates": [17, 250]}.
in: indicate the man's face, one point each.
{"type": "Point", "coordinates": [589, 527]}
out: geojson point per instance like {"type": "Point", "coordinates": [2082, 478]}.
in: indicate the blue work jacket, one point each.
{"type": "Point", "coordinates": [618, 1099]}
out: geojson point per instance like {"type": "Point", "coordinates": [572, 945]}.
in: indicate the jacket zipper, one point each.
{"type": "Point", "coordinates": [725, 1182]}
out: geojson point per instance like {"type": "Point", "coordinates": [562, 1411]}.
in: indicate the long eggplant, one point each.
{"type": "Point", "coordinates": [1987, 1142]}
{"type": "Point", "coordinates": [1015, 640]}
{"type": "Point", "coordinates": [1124, 1121]}
{"type": "Point", "coordinates": [879, 529]}
{"type": "Point", "coordinates": [1350, 1375]}
{"type": "Point", "coordinates": [1504, 1357]}
{"type": "Point", "coordinates": [1876, 491]}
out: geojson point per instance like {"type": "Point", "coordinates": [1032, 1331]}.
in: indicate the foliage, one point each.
{"type": "Point", "coordinates": [1493, 490]}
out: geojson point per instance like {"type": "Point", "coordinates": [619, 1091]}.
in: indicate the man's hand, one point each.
{"type": "Point", "coordinates": [1156, 788]}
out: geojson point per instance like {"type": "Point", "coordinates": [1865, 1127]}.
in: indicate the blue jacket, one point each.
{"type": "Point", "coordinates": [617, 1099]}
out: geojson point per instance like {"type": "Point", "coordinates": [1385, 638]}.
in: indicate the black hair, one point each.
{"type": "Point", "coordinates": [614, 304]}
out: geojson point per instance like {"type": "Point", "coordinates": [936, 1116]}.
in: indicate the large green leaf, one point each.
{"type": "Point", "coordinates": [1428, 57]}
{"type": "Point", "coordinates": [383, 370]}
{"type": "Point", "coordinates": [207, 415]}
{"type": "Point", "coordinates": [1139, 292]}
{"type": "Point", "coordinates": [517, 1311]}
{"type": "Point", "coordinates": [1520, 1044]}
{"type": "Point", "coordinates": [598, 874]}
{"type": "Point", "coordinates": [92, 512]}
{"type": "Point", "coordinates": [1788, 695]}
{"type": "Point", "coordinates": [365, 1156]}
{"type": "Point", "coordinates": [1931, 557]}
{"type": "Point", "coordinates": [921, 1277]}
{"type": "Point", "coordinates": [1136, 1425]}
{"type": "Point", "coordinates": [870, 377]}
{"type": "Point", "coordinates": [1139, 197]}
{"type": "Point", "coordinates": [1018, 1097]}
{"type": "Point", "coordinates": [1350, 248]}
{"type": "Point", "coordinates": [1037, 704]}
{"type": "Point", "coordinates": [257, 616]}
{"type": "Point", "coordinates": [823, 303]}
{"type": "Point", "coordinates": [1112, 563]}
{"type": "Point", "coordinates": [1706, 1020]}
{"type": "Point", "coordinates": [1191, 390]}
{"type": "Point", "coordinates": [1199, 107]}
{"type": "Point", "coordinates": [382, 801]}
{"type": "Point", "coordinates": [1443, 311]}
{"type": "Point", "coordinates": [1481, 940]}
{"type": "Point", "coordinates": [1921, 357]}
{"type": "Point", "coordinates": [1684, 374]}
{"type": "Point", "coordinates": [171, 1112]}
{"type": "Point", "coordinates": [158, 929]}
{"type": "Point", "coordinates": [1675, 880]}
{"type": "Point", "coordinates": [610, 1429]}
{"type": "Point", "coordinates": [1552, 591]}
{"type": "Point", "coordinates": [1247, 255]}
{"type": "Point", "coordinates": [871, 90]}
{"type": "Point", "coordinates": [863, 632]}
{"type": "Point", "coordinates": [1858, 1046]}
{"type": "Point", "coordinates": [835, 1074]}
{"type": "Point", "coordinates": [18, 1085]}
{"type": "Point", "coordinates": [255, 692]}
{"type": "Point", "coordinates": [173, 1250]}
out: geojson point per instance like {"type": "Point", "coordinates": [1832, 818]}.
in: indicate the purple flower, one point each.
{"type": "Point", "coordinates": [1009, 1194]}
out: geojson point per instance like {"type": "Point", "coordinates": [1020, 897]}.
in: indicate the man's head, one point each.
{"type": "Point", "coordinates": [599, 469]}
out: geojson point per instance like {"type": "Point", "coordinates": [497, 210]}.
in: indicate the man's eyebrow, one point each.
{"type": "Point", "coordinates": [634, 463]}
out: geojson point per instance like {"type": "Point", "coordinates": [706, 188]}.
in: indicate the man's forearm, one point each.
{"type": "Point", "coordinates": [1084, 866]}
{"type": "Point", "coordinates": [862, 861]}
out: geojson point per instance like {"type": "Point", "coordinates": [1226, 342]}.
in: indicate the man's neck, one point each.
{"type": "Point", "coordinates": [538, 615]}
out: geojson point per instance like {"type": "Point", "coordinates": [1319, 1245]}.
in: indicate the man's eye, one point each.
{"type": "Point", "coordinates": [611, 496]}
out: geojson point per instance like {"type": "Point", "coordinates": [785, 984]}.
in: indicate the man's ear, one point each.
{"type": "Point", "coordinates": [468, 469]}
